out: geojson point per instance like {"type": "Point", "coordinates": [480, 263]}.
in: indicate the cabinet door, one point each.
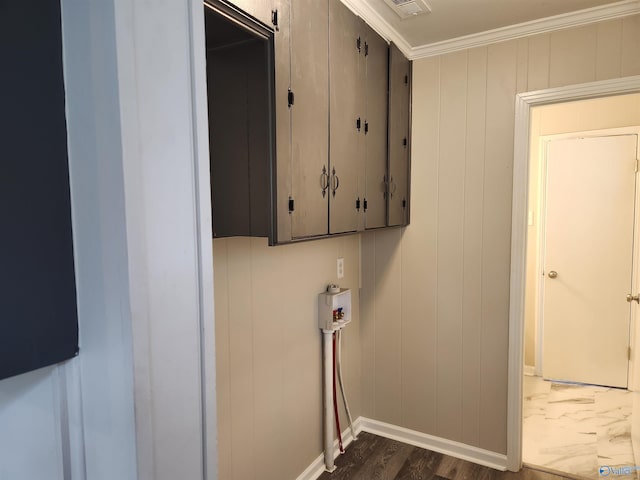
{"type": "Point", "coordinates": [283, 122]}
{"type": "Point", "coordinates": [309, 117]}
{"type": "Point", "coordinates": [346, 114]}
{"type": "Point", "coordinates": [399, 112]}
{"type": "Point", "coordinates": [260, 9]}
{"type": "Point", "coordinates": [377, 65]}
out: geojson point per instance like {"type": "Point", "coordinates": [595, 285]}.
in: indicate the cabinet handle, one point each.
{"type": "Point", "coordinates": [335, 182]}
{"type": "Point", "coordinates": [392, 187]}
{"type": "Point", "coordinates": [324, 181]}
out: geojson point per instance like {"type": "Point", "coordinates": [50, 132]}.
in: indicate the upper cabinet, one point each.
{"type": "Point", "coordinates": [399, 137]}
{"type": "Point", "coordinates": [358, 83]}
{"type": "Point", "coordinates": [334, 107]}
{"type": "Point", "coordinates": [346, 118]}
{"type": "Point", "coordinates": [375, 85]}
{"type": "Point", "coordinates": [301, 178]}
{"type": "Point", "coordinates": [309, 106]}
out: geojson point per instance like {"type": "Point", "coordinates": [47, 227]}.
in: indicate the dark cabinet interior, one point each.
{"type": "Point", "coordinates": [38, 323]}
{"type": "Point", "coordinates": [241, 122]}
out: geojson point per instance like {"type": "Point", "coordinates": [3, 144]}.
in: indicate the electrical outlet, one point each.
{"type": "Point", "coordinates": [341, 268]}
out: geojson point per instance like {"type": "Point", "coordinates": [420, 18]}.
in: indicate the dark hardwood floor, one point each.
{"type": "Point", "coordinates": [377, 458]}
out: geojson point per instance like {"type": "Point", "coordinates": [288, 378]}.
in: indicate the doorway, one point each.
{"type": "Point", "coordinates": [525, 106]}
{"type": "Point", "coordinates": [581, 234]}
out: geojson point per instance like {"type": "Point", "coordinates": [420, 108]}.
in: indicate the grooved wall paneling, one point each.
{"type": "Point", "coordinates": [268, 352]}
{"type": "Point", "coordinates": [450, 267]}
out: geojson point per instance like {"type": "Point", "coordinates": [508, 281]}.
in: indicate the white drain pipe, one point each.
{"type": "Point", "coordinates": [327, 350]}
{"type": "Point", "coordinates": [334, 313]}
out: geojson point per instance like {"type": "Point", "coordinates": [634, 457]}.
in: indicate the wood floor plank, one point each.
{"type": "Point", "coordinates": [456, 469]}
{"type": "Point", "coordinates": [420, 465]}
{"type": "Point", "coordinates": [376, 458]}
{"type": "Point", "coordinates": [385, 461]}
{"type": "Point", "coordinates": [355, 456]}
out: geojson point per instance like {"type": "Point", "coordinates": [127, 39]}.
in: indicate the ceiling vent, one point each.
{"type": "Point", "coordinates": [408, 8]}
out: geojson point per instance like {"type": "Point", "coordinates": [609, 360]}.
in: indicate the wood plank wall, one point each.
{"type": "Point", "coordinates": [268, 352]}
{"type": "Point", "coordinates": [435, 296]}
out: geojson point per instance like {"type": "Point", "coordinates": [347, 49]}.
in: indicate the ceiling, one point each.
{"type": "Point", "coordinates": [452, 19]}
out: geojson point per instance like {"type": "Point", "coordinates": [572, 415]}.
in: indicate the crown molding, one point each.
{"type": "Point", "coordinates": [535, 27]}
{"type": "Point", "coordinates": [611, 11]}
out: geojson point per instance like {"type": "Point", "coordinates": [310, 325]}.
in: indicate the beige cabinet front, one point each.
{"type": "Point", "coordinates": [376, 103]}
{"type": "Point", "coordinates": [399, 142]}
{"type": "Point", "coordinates": [346, 122]}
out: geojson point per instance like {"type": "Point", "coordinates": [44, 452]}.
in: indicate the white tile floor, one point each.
{"type": "Point", "coordinates": [577, 428]}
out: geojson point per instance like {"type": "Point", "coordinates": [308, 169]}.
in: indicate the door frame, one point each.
{"type": "Point", "coordinates": [542, 224]}
{"type": "Point", "coordinates": [524, 103]}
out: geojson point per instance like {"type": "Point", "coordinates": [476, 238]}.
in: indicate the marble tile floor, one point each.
{"type": "Point", "coordinates": [577, 429]}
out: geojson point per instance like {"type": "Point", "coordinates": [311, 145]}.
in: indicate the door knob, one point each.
{"type": "Point", "coordinates": [631, 298]}
{"type": "Point", "coordinates": [553, 274]}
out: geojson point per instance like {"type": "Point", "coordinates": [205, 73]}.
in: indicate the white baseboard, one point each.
{"type": "Point", "coordinates": [436, 444]}
{"type": "Point", "coordinates": [529, 370]}
{"type": "Point", "coordinates": [316, 468]}
{"type": "Point", "coordinates": [411, 437]}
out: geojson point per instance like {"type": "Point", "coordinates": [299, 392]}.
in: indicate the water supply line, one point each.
{"type": "Point", "coordinates": [335, 397]}
{"type": "Point", "coordinates": [344, 394]}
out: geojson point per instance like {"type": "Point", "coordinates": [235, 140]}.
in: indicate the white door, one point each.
{"type": "Point", "coordinates": [590, 198]}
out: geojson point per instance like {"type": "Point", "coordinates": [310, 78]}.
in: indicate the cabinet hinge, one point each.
{"type": "Point", "coordinates": [274, 19]}
{"type": "Point", "coordinates": [365, 205]}
{"type": "Point", "coordinates": [366, 49]}
{"type": "Point", "coordinates": [358, 204]}
{"type": "Point", "coordinates": [404, 203]}
{"type": "Point", "coordinates": [406, 79]}
{"type": "Point", "coordinates": [628, 353]}
{"type": "Point", "coordinates": [358, 123]}
{"type": "Point", "coordinates": [366, 127]}
{"type": "Point", "coordinates": [404, 141]}
{"type": "Point", "coordinates": [290, 97]}
{"type": "Point", "coordinates": [359, 44]}
{"type": "Point", "coordinates": [291, 205]}
{"type": "Point", "coordinates": [637, 165]}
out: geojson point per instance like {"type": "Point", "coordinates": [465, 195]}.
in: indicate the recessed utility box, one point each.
{"type": "Point", "coordinates": [334, 309]}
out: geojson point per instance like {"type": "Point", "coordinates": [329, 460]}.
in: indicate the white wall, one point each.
{"type": "Point", "coordinates": [30, 425]}
{"type": "Point", "coordinates": [131, 405]}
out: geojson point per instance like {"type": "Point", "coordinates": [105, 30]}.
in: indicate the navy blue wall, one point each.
{"type": "Point", "coordinates": [38, 314]}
